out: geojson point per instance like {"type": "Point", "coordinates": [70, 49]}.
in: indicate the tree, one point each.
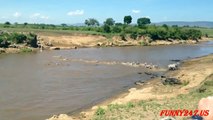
{"type": "Point", "coordinates": [106, 28]}
{"type": "Point", "coordinates": [7, 23]}
{"type": "Point", "coordinates": [109, 21]}
{"type": "Point", "coordinates": [116, 29]}
{"type": "Point", "coordinates": [91, 22]}
{"type": "Point", "coordinates": [127, 19]}
{"type": "Point", "coordinates": [64, 25]}
{"type": "Point", "coordinates": [118, 24]}
{"type": "Point", "coordinates": [87, 22]}
{"type": "Point", "coordinates": [25, 24]}
{"type": "Point", "coordinates": [143, 21]}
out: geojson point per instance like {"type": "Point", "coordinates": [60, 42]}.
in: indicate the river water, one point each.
{"type": "Point", "coordinates": [37, 85]}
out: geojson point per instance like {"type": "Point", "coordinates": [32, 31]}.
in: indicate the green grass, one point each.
{"type": "Point", "coordinates": [57, 32]}
{"type": "Point", "coordinates": [26, 50]}
{"type": "Point", "coordinates": [208, 31]}
{"type": "Point", "coordinates": [150, 109]}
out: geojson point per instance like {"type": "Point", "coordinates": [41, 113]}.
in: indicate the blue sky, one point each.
{"type": "Point", "coordinates": [76, 11]}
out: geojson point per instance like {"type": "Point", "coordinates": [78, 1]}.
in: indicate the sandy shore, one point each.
{"type": "Point", "coordinates": [193, 72]}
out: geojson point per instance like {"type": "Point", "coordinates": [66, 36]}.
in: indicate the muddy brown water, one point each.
{"type": "Point", "coordinates": [37, 85]}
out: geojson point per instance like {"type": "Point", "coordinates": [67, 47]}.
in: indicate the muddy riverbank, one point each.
{"type": "Point", "coordinates": [193, 72]}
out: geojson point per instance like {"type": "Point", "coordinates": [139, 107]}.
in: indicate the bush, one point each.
{"type": "Point", "coordinates": [32, 40]}
{"type": "Point", "coordinates": [26, 50]}
{"type": "Point", "coordinates": [116, 29]}
{"type": "Point", "coordinates": [100, 112]}
{"type": "Point", "coordinates": [18, 38]}
{"type": "Point", "coordinates": [123, 36]}
{"type": "Point", "coordinates": [134, 35]}
{"type": "Point", "coordinates": [106, 28]}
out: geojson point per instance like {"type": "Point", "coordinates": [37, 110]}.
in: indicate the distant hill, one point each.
{"type": "Point", "coordinates": [206, 24]}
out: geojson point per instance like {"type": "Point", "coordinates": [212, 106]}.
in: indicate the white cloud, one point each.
{"type": "Point", "coordinates": [38, 16]}
{"type": "Point", "coordinates": [17, 14]}
{"type": "Point", "coordinates": [136, 11]}
{"type": "Point", "coordinates": [44, 17]}
{"type": "Point", "coordinates": [76, 13]}
{"type": "Point", "coordinates": [35, 15]}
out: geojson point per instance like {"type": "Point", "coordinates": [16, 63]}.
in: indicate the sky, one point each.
{"type": "Point", "coordinates": [76, 11]}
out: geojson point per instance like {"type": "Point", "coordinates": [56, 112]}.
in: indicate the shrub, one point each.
{"type": "Point", "coordinates": [106, 28]}
{"type": "Point", "coordinates": [134, 35]}
{"type": "Point", "coordinates": [26, 50]}
{"type": "Point", "coordinates": [100, 111]}
{"type": "Point", "coordinates": [32, 40]}
{"type": "Point", "coordinates": [123, 36]}
{"type": "Point", "coordinates": [18, 38]}
{"type": "Point", "coordinates": [116, 29]}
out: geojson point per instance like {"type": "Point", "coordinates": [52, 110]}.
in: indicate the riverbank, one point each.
{"type": "Point", "coordinates": [146, 100]}
{"type": "Point", "coordinates": [18, 50]}
{"type": "Point", "coordinates": [74, 41]}
{"type": "Point", "coordinates": [63, 40]}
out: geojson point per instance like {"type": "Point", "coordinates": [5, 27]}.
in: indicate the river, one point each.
{"type": "Point", "coordinates": [38, 85]}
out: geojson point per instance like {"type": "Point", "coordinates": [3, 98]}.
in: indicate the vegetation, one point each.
{"type": "Point", "coordinates": [127, 19]}
{"type": "Point", "coordinates": [26, 50]}
{"type": "Point", "coordinates": [142, 29]}
{"type": "Point", "coordinates": [91, 22]}
{"type": "Point", "coordinates": [143, 21]}
{"type": "Point", "coordinates": [7, 38]}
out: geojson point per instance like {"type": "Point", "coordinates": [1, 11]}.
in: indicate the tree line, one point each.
{"type": "Point", "coordinates": [142, 28]}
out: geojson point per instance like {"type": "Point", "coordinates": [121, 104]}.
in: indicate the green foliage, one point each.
{"type": "Point", "coordinates": [123, 36]}
{"type": "Point", "coordinates": [118, 24]}
{"type": "Point", "coordinates": [127, 19]}
{"type": "Point", "coordinates": [142, 43]}
{"type": "Point", "coordinates": [32, 40]}
{"type": "Point", "coordinates": [143, 21]}
{"type": "Point", "coordinates": [130, 105]}
{"type": "Point", "coordinates": [165, 33]}
{"type": "Point", "coordinates": [25, 24]}
{"type": "Point", "coordinates": [106, 28]}
{"type": "Point", "coordinates": [109, 21]}
{"type": "Point", "coordinates": [18, 38]}
{"type": "Point", "coordinates": [100, 111]}
{"type": "Point", "coordinates": [116, 29]}
{"type": "Point", "coordinates": [208, 83]}
{"type": "Point", "coordinates": [143, 28]}
{"type": "Point", "coordinates": [26, 50]}
{"type": "Point", "coordinates": [91, 22]}
{"type": "Point", "coordinates": [7, 23]}
{"type": "Point", "coordinates": [134, 35]}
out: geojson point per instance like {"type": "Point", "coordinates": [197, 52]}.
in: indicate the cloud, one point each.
{"type": "Point", "coordinates": [35, 15]}
{"type": "Point", "coordinates": [38, 16]}
{"type": "Point", "coordinates": [44, 17]}
{"type": "Point", "coordinates": [17, 14]}
{"type": "Point", "coordinates": [136, 11]}
{"type": "Point", "coordinates": [147, 17]}
{"type": "Point", "coordinates": [76, 13]}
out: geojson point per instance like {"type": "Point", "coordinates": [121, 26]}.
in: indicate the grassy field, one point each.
{"type": "Point", "coordinates": [56, 32]}
{"type": "Point", "coordinates": [208, 31]}
{"type": "Point", "coordinates": [150, 109]}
